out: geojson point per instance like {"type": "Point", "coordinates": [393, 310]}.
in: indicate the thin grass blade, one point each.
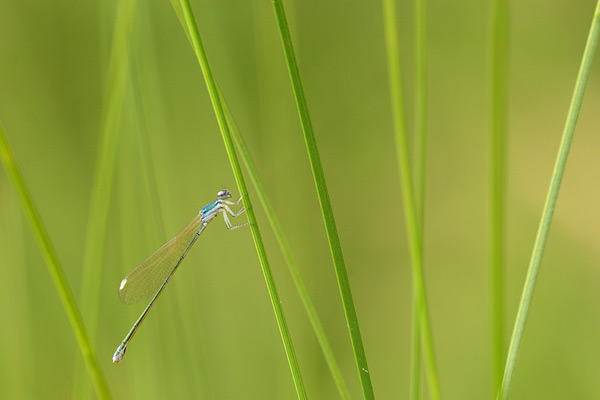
{"type": "Point", "coordinates": [194, 33]}
{"type": "Point", "coordinates": [413, 225]}
{"type": "Point", "coordinates": [102, 182]}
{"type": "Point", "coordinates": [419, 168]}
{"type": "Point", "coordinates": [55, 269]}
{"type": "Point", "coordinates": [550, 204]}
{"type": "Point", "coordinates": [324, 201]}
{"type": "Point", "coordinates": [105, 166]}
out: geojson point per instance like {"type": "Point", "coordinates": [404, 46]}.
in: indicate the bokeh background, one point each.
{"type": "Point", "coordinates": [213, 334]}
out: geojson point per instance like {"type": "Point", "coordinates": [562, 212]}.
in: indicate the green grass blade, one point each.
{"type": "Point", "coordinates": [56, 271]}
{"type": "Point", "coordinates": [105, 165]}
{"type": "Point", "coordinates": [419, 168]}
{"type": "Point", "coordinates": [421, 104]}
{"type": "Point", "coordinates": [544, 227]}
{"type": "Point", "coordinates": [413, 224]}
{"type": "Point", "coordinates": [281, 240]}
{"type": "Point", "coordinates": [326, 209]}
{"type": "Point", "coordinates": [498, 84]}
{"type": "Point", "coordinates": [237, 171]}
{"type": "Point", "coordinates": [287, 255]}
{"type": "Point", "coordinates": [97, 224]}
{"type": "Point", "coordinates": [415, 361]}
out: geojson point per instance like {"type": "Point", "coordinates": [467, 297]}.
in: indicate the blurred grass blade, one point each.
{"type": "Point", "coordinates": [498, 84]}
{"type": "Point", "coordinates": [237, 171]}
{"type": "Point", "coordinates": [421, 104]}
{"type": "Point", "coordinates": [56, 271]}
{"type": "Point", "coordinates": [95, 238]}
{"type": "Point", "coordinates": [419, 168]}
{"type": "Point", "coordinates": [544, 227]}
{"type": "Point", "coordinates": [105, 164]}
{"type": "Point", "coordinates": [287, 254]}
{"type": "Point", "coordinates": [326, 209]}
{"type": "Point", "coordinates": [413, 221]}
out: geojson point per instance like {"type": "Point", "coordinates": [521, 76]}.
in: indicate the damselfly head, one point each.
{"type": "Point", "coordinates": [223, 194]}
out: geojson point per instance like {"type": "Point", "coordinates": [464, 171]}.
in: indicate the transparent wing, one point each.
{"type": "Point", "coordinates": [146, 278]}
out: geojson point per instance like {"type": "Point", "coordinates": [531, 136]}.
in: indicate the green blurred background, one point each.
{"type": "Point", "coordinates": [213, 334]}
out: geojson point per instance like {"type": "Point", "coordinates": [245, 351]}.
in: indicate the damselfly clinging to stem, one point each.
{"type": "Point", "coordinates": [152, 275]}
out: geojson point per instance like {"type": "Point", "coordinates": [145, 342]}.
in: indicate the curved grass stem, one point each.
{"type": "Point", "coordinates": [550, 204]}
{"type": "Point", "coordinates": [55, 269]}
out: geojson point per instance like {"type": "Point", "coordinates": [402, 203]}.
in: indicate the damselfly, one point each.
{"type": "Point", "coordinates": [152, 275]}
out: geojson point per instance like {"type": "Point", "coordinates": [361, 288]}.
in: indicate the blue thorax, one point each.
{"type": "Point", "coordinates": [209, 207]}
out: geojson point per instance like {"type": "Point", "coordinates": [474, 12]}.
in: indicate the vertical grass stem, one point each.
{"type": "Point", "coordinates": [419, 167]}
{"type": "Point", "coordinates": [413, 224]}
{"type": "Point", "coordinates": [324, 201]}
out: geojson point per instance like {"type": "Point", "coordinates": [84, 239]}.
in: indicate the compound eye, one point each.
{"type": "Point", "coordinates": [224, 194]}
